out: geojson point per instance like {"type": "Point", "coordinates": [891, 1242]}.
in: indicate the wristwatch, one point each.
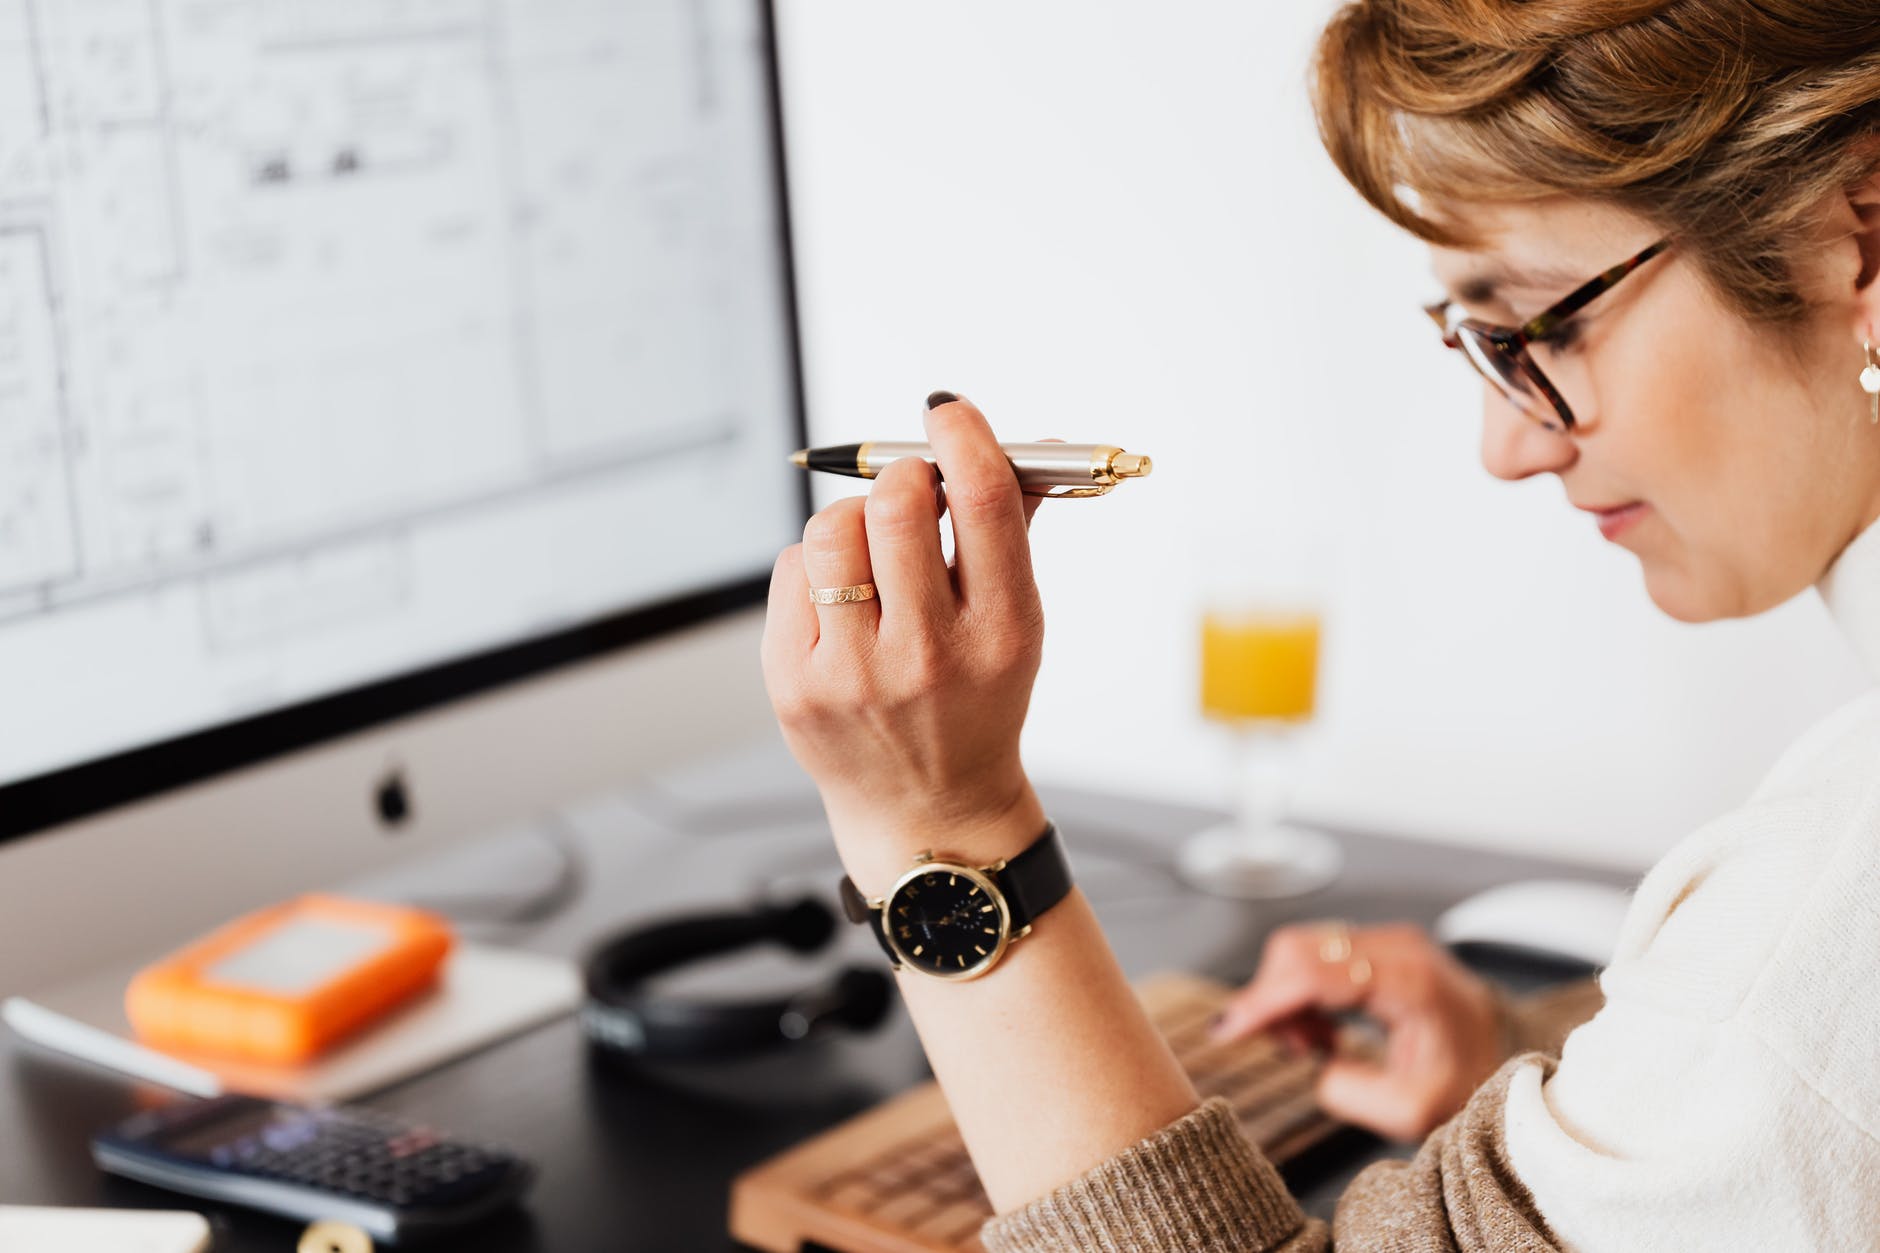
{"type": "Point", "coordinates": [954, 921]}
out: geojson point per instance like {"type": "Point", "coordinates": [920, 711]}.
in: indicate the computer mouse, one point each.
{"type": "Point", "coordinates": [1567, 919]}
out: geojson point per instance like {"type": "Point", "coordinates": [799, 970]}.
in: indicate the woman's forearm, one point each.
{"type": "Point", "coordinates": [1049, 1062]}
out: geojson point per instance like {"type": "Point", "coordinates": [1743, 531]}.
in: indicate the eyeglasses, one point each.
{"type": "Point", "coordinates": [1505, 355]}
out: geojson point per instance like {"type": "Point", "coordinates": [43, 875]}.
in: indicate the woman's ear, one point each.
{"type": "Point", "coordinates": [1864, 202]}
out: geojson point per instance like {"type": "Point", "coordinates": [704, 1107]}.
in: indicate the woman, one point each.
{"type": "Point", "coordinates": [1713, 168]}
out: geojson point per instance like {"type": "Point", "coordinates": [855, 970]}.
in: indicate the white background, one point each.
{"type": "Point", "coordinates": [1112, 221]}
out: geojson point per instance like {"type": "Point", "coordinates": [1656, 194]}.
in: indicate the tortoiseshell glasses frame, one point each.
{"type": "Point", "coordinates": [1501, 354]}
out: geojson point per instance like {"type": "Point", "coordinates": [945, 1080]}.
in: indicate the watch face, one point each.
{"type": "Point", "coordinates": [947, 920]}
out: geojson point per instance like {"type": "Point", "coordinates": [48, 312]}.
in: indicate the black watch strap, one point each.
{"type": "Point", "coordinates": [856, 909]}
{"type": "Point", "coordinates": [1036, 879]}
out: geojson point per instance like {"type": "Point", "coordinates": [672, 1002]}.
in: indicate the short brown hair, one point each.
{"type": "Point", "coordinates": [1723, 122]}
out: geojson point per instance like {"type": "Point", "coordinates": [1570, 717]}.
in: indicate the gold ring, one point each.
{"type": "Point", "coordinates": [853, 594]}
{"type": "Point", "coordinates": [1335, 947]}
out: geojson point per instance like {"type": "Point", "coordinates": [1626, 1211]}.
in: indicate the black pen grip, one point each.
{"type": "Point", "coordinates": [837, 459]}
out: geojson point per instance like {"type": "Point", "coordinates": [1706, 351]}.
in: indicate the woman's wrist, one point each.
{"type": "Point", "coordinates": [877, 841]}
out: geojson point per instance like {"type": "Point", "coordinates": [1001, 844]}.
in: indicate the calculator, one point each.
{"type": "Point", "coordinates": [392, 1179]}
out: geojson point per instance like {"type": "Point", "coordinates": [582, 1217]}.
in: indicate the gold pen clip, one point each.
{"type": "Point", "coordinates": [1072, 493]}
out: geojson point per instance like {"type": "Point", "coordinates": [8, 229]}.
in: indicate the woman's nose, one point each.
{"type": "Point", "coordinates": [1515, 446]}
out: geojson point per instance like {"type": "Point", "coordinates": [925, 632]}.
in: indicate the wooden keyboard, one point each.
{"type": "Point", "coordinates": [896, 1179]}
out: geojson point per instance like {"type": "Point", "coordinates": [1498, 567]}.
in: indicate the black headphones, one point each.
{"type": "Point", "coordinates": [623, 1019]}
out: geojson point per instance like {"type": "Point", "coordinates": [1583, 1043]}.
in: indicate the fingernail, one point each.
{"type": "Point", "coordinates": [936, 399]}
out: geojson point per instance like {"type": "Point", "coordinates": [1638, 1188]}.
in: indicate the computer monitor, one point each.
{"type": "Point", "coordinates": [357, 359]}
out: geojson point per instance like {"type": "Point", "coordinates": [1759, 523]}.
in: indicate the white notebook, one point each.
{"type": "Point", "coordinates": [483, 995]}
{"type": "Point", "coordinates": [31, 1230]}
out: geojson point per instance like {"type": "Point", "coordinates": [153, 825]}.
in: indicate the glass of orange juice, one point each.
{"type": "Point", "coordinates": [1259, 677]}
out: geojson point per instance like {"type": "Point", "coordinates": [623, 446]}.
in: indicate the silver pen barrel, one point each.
{"type": "Point", "coordinates": [1039, 466]}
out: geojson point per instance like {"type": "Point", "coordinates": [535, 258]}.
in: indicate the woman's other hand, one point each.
{"type": "Point", "coordinates": [906, 709]}
{"type": "Point", "coordinates": [1444, 1024]}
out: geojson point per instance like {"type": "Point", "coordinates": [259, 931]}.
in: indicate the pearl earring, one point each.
{"type": "Point", "coordinates": [1870, 381]}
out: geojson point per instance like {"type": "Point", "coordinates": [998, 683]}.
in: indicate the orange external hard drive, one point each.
{"type": "Point", "coordinates": [282, 984]}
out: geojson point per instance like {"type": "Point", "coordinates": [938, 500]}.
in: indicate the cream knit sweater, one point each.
{"type": "Point", "coordinates": [1726, 1097]}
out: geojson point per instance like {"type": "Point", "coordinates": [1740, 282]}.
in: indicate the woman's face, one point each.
{"type": "Point", "coordinates": [1733, 460]}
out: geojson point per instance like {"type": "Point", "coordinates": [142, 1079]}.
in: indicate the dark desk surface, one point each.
{"type": "Point", "coordinates": [630, 1164]}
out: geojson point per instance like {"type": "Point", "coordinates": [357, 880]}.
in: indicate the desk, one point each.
{"type": "Point", "coordinates": [632, 1166]}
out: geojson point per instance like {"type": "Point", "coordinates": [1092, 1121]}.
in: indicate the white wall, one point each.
{"type": "Point", "coordinates": [1111, 221]}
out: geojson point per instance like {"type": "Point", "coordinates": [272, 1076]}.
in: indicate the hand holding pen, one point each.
{"type": "Point", "coordinates": [902, 685]}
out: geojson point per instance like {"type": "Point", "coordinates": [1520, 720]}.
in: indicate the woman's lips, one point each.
{"type": "Point", "coordinates": [1616, 521]}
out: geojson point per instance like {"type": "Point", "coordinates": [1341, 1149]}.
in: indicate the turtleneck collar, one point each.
{"type": "Point", "coordinates": [1851, 588]}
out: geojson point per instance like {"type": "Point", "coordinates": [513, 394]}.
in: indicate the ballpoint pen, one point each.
{"type": "Point", "coordinates": [1062, 471]}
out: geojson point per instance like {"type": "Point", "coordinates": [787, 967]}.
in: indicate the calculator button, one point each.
{"type": "Point", "coordinates": [334, 1238]}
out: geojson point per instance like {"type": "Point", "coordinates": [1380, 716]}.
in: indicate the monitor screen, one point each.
{"type": "Point", "coordinates": [357, 354]}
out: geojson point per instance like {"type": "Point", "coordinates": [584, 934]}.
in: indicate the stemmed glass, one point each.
{"type": "Point", "coordinates": [1259, 677]}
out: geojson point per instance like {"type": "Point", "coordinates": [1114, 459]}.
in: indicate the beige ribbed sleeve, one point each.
{"type": "Point", "coordinates": [1198, 1186]}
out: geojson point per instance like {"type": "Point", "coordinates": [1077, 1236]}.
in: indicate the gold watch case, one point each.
{"type": "Point", "coordinates": [928, 863]}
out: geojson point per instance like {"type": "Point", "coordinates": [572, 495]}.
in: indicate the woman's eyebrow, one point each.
{"type": "Point", "coordinates": [1486, 284]}
{"type": "Point", "coordinates": [1478, 290]}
